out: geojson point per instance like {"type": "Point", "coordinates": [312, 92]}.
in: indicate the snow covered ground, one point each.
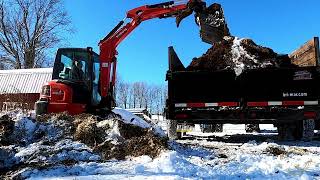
{"type": "Point", "coordinates": [233, 129]}
{"type": "Point", "coordinates": [229, 158]}
{"type": "Point", "coordinates": [232, 154]}
{"type": "Point", "coordinates": [160, 121]}
{"type": "Point", "coordinates": [204, 160]}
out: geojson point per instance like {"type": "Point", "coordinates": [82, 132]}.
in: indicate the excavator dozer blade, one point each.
{"type": "Point", "coordinates": [213, 26]}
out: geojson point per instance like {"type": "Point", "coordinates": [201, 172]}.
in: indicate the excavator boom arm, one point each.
{"type": "Point", "coordinates": [109, 44]}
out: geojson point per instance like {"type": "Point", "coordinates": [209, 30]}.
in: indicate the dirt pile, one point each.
{"type": "Point", "coordinates": [111, 138]}
{"type": "Point", "coordinates": [239, 55]}
{"type": "Point", "coordinates": [148, 144]}
{"type": "Point", "coordinates": [277, 150]}
{"type": "Point", "coordinates": [88, 132]}
{"type": "Point", "coordinates": [128, 131]}
{"type": "Point", "coordinates": [6, 129]}
{"type": "Point", "coordinates": [134, 141]}
{"type": "Point", "coordinates": [61, 139]}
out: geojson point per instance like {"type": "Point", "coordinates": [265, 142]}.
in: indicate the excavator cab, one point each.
{"type": "Point", "coordinates": [81, 67]}
{"type": "Point", "coordinates": [74, 85]}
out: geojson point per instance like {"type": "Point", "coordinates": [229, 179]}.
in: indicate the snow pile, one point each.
{"type": "Point", "coordinates": [6, 129]}
{"type": "Point", "coordinates": [60, 140]}
{"type": "Point", "coordinates": [161, 121]}
{"type": "Point", "coordinates": [41, 144]}
{"type": "Point", "coordinates": [238, 54]}
{"type": "Point", "coordinates": [130, 118]}
{"type": "Point", "coordinates": [24, 130]}
{"type": "Point", "coordinates": [189, 160]}
{"type": "Point", "coordinates": [64, 152]}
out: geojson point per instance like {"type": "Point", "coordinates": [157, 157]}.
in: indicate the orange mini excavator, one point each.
{"type": "Point", "coordinates": [83, 81]}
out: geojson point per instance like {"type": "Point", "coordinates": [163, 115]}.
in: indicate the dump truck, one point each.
{"type": "Point", "coordinates": [287, 97]}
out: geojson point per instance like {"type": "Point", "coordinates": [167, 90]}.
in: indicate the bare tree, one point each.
{"type": "Point", "coordinates": [159, 96]}
{"type": "Point", "coordinates": [123, 94]}
{"type": "Point", "coordinates": [28, 28]}
{"type": "Point", "coordinates": [142, 95]}
{"type": "Point", "coordinates": [135, 94]}
{"type": "Point", "coordinates": [164, 98]}
{"type": "Point", "coordinates": [130, 96]}
{"type": "Point", "coordinates": [139, 93]}
{"type": "Point", "coordinates": [152, 98]}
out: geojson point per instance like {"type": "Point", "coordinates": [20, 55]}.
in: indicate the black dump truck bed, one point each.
{"type": "Point", "coordinates": [267, 95]}
{"type": "Point", "coordinates": [273, 84]}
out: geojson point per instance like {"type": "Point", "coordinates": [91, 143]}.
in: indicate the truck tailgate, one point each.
{"type": "Point", "coordinates": [280, 84]}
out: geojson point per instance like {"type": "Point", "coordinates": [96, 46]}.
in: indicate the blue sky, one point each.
{"type": "Point", "coordinates": [282, 25]}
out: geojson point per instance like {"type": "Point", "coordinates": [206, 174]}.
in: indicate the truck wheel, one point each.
{"type": "Point", "coordinates": [218, 127]}
{"type": "Point", "coordinates": [300, 130]}
{"type": "Point", "coordinates": [250, 128]}
{"type": "Point", "coordinates": [179, 135]}
{"type": "Point", "coordinates": [305, 130]}
{"type": "Point", "coordinates": [172, 130]}
{"type": "Point", "coordinates": [211, 128]}
{"type": "Point", "coordinates": [206, 128]}
{"type": "Point", "coordinates": [317, 124]}
{"type": "Point", "coordinates": [286, 131]}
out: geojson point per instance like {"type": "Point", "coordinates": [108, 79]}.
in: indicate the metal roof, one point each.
{"type": "Point", "coordinates": [24, 80]}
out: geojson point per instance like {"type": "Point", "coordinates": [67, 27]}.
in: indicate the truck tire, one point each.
{"type": "Point", "coordinates": [286, 131]}
{"type": "Point", "coordinates": [250, 128]}
{"type": "Point", "coordinates": [300, 130]}
{"type": "Point", "coordinates": [172, 130]}
{"type": "Point", "coordinates": [179, 135]}
{"type": "Point", "coordinates": [317, 124]}
{"type": "Point", "coordinates": [305, 130]}
{"type": "Point", "coordinates": [211, 128]}
{"type": "Point", "coordinates": [219, 128]}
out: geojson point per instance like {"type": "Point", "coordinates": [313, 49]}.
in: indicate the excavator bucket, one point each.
{"type": "Point", "coordinates": [213, 26]}
{"type": "Point", "coordinates": [211, 20]}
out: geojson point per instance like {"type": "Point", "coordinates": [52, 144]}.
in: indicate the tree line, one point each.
{"type": "Point", "coordinates": [141, 95]}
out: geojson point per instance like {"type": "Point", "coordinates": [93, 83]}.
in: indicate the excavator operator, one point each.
{"type": "Point", "coordinates": [76, 71]}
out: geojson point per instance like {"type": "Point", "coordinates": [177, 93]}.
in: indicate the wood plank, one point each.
{"type": "Point", "coordinates": [307, 54]}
